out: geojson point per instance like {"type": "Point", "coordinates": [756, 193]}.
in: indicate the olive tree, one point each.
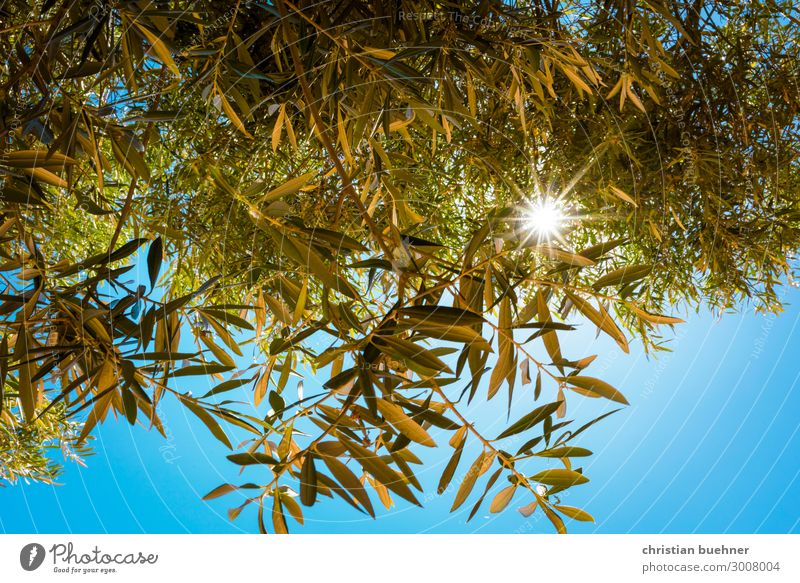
{"type": "Point", "coordinates": [416, 202]}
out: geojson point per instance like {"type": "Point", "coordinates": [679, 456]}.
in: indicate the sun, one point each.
{"type": "Point", "coordinates": [544, 219]}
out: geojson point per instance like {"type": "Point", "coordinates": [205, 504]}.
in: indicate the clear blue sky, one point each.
{"type": "Point", "coordinates": [710, 444]}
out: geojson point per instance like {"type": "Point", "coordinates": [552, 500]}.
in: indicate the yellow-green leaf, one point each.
{"type": "Point", "coordinates": [502, 499]}
{"type": "Point", "coordinates": [373, 463]}
{"type": "Point", "coordinates": [623, 276]}
{"type": "Point", "coordinates": [220, 490]}
{"type": "Point", "coordinates": [567, 257]}
{"type": "Point", "coordinates": [596, 386]}
{"type": "Point", "coordinates": [602, 321]}
{"type": "Point", "coordinates": [575, 513]}
{"type": "Point", "coordinates": [308, 481]}
{"type": "Point", "coordinates": [469, 481]}
{"type": "Point", "coordinates": [654, 318]}
{"type": "Point", "coordinates": [288, 187]}
{"type": "Point", "coordinates": [622, 195]}
{"type": "Point", "coordinates": [159, 48]}
{"type": "Point", "coordinates": [207, 420]}
{"type": "Point", "coordinates": [278, 519]}
{"type": "Point", "coordinates": [350, 482]}
{"type": "Point", "coordinates": [222, 356]}
{"type": "Point", "coordinates": [44, 175]}
{"type": "Point", "coordinates": [560, 478]}
{"type": "Point", "coordinates": [395, 415]}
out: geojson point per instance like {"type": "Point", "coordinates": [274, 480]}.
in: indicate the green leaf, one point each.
{"type": "Point", "coordinates": [289, 187]}
{"type": "Point", "coordinates": [623, 276]}
{"type": "Point", "coordinates": [129, 405]}
{"type": "Point", "coordinates": [554, 518]}
{"type": "Point", "coordinates": [574, 259]}
{"type": "Point", "coordinates": [278, 518]}
{"type": "Point", "coordinates": [502, 499]}
{"type": "Point", "coordinates": [575, 513]}
{"type": "Point", "coordinates": [207, 420]}
{"type": "Point", "coordinates": [338, 242]}
{"type": "Point", "coordinates": [154, 258]}
{"type": "Point", "coordinates": [591, 423]}
{"type": "Point", "coordinates": [413, 355]}
{"type": "Point", "coordinates": [279, 309]}
{"type": "Point", "coordinates": [293, 507]}
{"type": "Point", "coordinates": [223, 357]}
{"type": "Point", "coordinates": [462, 334]}
{"type": "Point", "coordinates": [341, 379]}
{"type": "Point", "coordinates": [654, 318]}
{"type": "Point", "coordinates": [308, 481]}
{"type": "Point", "coordinates": [227, 386]}
{"type": "Point", "coordinates": [395, 415]}
{"type": "Point", "coordinates": [489, 483]}
{"type": "Point", "coordinates": [469, 481]}
{"type": "Point", "coordinates": [531, 419]}
{"type": "Point", "coordinates": [441, 315]}
{"type": "Point", "coordinates": [350, 482]}
{"type": "Point", "coordinates": [220, 490]}
{"type": "Point", "coordinates": [252, 458]}
{"type": "Point", "coordinates": [130, 158]}
{"type": "Point", "coordinates": [201, 369]}
{"type": "Point", "coordinates": [560, 478]}
{"type": "Point", "coordinates": [597, 251]}
{"type": "Point", "coordinates": [450, 468]}
{"type": "Point", "coordinates": [595, 388]}
{"type": "Point", "coordinates": [28, 391]}
{"type": "Point", "coordinates": [373, 464]}
{"type": "Point", "coordinates": [505, 368]}
{"type": "Point", "coordinates": [599, 319]}
{"type": "Point", "coordinates": [550, 338]}
{"type": "Point", "coordinates": [227, 318]}
{"type": "Point", "coordinates": [159, 46]}
{"type": "Point", "coordinates": [565, 451]}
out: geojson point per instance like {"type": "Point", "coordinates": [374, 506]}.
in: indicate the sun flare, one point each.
{"type": "Point", "coordinates": [544, 219]}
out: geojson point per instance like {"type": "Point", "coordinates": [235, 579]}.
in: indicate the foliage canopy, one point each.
{"type": "Point", "coordinates": [348, 188]}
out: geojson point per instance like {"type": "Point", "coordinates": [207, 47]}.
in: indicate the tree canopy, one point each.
{"type": "Point", "coordinates": [416, 202]}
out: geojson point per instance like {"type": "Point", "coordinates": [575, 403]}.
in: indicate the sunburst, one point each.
{"type": "Point", "coordinates": [545, 219]}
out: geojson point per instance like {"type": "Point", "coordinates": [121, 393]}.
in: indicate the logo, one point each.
{"type": "Point", "coordinates": [31, 556]}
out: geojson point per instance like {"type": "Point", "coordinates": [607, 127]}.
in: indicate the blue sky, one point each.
{"type": "Point", "coordinates": [710, 444]}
